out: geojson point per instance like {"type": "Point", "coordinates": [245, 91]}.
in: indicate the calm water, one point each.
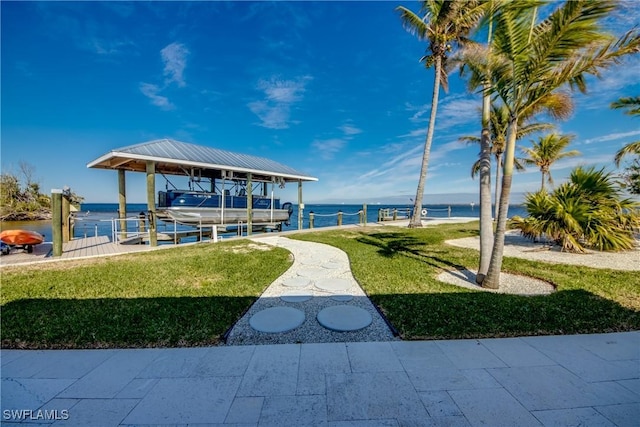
{"type": "Point", "coordinates": [96, 218]}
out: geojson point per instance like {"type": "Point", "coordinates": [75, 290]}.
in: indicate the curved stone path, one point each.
{"type": "Point", "coordinates": [318, 283]}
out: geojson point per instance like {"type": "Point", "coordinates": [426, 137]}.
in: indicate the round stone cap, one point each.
{"type": "Point", "coordinates": [333, 285]}
{"type": "Point", "coordinates": [277, 319]}
{"type": "Point", "coordinates": [296, 282]}
{"type": "Point", "coordinates": [341, 297]}
{"type": "Point", "coordinates": [343, 318]}
{"type": "Point", "coordinates": [296, 296]}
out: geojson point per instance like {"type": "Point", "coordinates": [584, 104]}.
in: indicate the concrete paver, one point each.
{"type": "Point", "coordinates": [514, 381]}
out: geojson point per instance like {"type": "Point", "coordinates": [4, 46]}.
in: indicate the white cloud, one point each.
{"type": "Point", "coordinates": [612, 137]}
{"type": "Point", "coordinates": [151, 91]}
{"type": "Point", "coordinates": [458, 111]}
{"type": "Point", "coordinates": [272, 116]}
{"type": "Point", "coordinates": [174, 57]}
{"type": "Point", "coordinates": [274, 110]}
{"type": "Point", "coordinates": [329, 147]}
{"type": "Point", "coordinates": [109, 47]}
{"type": "Point", "coordinates": [350, 129]}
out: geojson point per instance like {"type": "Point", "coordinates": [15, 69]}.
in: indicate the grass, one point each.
{"type": "Point", "coordinates": [398, 268]}
{"type": "Point", "coordinates": [190, 296]}
{"type": "Point", "coordinates": [185, 296]}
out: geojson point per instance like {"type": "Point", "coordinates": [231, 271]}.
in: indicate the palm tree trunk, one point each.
{"type": "Point", "coordinates": [417, 207]}
{"type": "Point", "coordinates": [492, 280]}
{"type": "Point", "coordinates": [542, 185]}
{"type": "Point", "coordinates": [486, 225]}
{"type": "Point", "coordinates": [498, 182]}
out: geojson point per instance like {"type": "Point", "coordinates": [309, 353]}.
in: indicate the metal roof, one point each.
{"type": "Point", "coordinates": [177, 158]}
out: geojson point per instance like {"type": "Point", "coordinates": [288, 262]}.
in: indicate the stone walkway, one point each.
{"type": "Point", "coordinates": [581, 380]}
{"type": "Point", "coordinates": [317, 290]}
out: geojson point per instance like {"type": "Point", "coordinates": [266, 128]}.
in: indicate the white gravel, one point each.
{"type": "Point", "coordinates": [519, 247]}
{"type": "Point", "coordinates": [509, 283]}
{"type": "Point", "coordinates": [319, 262]}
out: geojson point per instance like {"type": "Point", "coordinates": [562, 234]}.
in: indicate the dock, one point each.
{"type": "Point", "coordinates": [76, 248]}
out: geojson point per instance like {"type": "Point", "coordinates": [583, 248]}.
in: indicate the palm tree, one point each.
{"type": "Point", "coordinates": [632, 105]}
{"type": "Point", "coordinates": [548, 150]}
{"type": "Point", "coordinates": [445, 23]}
{"type": "Point", "coordinates": [532, 63]}
{"type": "Point", "coordinates": [477, 59]}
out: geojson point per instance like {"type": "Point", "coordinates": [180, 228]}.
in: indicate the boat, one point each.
{"type": "Point", "coordinates": [26, 239]}
{"type": "Point", "coordinates": [199, 208]}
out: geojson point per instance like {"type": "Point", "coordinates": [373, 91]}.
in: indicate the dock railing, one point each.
{"type": "Point", "coordinates": [140, 231]}
{"type": "Point", "coordinates": [339, 216]}
{"type": "Point", "coordinates": [395, 214]}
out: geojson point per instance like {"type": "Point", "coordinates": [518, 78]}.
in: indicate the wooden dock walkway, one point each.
{"type": "Point", "coordinates": [76, 248]}
{"type": "Point", "coordinates": [95, 246]}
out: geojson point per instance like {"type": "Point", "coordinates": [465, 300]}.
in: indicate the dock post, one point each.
{"type": "Point", "coordinates": [56, 221]}
{"type": "Point", "coordinates": [395, 214]}
{"type": "Point", "coordinates": [141, 223]}
{"type": "Point", "coordinates": [66, 214]}
{"type": "Point", "coordinates": [122, 203]}
{"type": "Point", "coordinates": [449, 210]}
{"type": "Point", "coordinates": [364, 214]}
{"type": "Point", "coordinates": [151, 202]}
{"type": "Point", "coordinates": [310, 219]}
{"type": "Point", "coordinates": [339, 218]}
{"type": "Point", "coordinates": [379, 215]}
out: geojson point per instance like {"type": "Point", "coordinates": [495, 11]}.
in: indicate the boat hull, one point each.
{"type": "Point", "coordinates": [21, 237]}
{"type": "Point", "coordinates": [215, 216]}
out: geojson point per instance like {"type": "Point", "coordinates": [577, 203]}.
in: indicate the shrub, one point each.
{"type": "Point", "coordinates": [588, 211]}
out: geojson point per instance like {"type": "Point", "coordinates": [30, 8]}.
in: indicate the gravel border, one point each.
{"type": "Point", "coordinates": [513, 284]}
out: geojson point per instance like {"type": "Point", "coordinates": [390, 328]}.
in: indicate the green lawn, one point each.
{"type": "Point", "coordinates": [174, 297]}
{"type": "Point", "coordinates": [397, 268]}
{"type": "Point", "coordinates": [190, 296]}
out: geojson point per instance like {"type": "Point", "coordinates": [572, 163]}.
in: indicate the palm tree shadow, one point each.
{"type": "Point", "coordinates": [397, 244]}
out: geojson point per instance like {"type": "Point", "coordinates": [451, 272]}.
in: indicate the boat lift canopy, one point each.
{"type": "Point", "coordinates": [174, 157]}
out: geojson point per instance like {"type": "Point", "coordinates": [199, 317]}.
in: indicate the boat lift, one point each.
{"type": "Point", "coordinates": [199, 163]}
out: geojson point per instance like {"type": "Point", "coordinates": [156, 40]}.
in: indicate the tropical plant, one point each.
{"type": "Point", "coordinates": [546, 151]}
{"type": "Point", "coordinates": [532, 62]}
{"type": "Point", "coordinates": [585, 212]}
{"type": "Point", "coordinates": [443, 24]}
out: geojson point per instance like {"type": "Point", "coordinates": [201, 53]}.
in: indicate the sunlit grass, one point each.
{"type": "Point", "coordinates": [183, 296]}
{"type": "Point", "coordinates": [398, 269]}
{"type": "Point", "coordinates": [190, 296]}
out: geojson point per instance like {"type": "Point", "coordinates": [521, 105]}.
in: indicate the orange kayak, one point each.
{"type": "Point", "coordinates": [21, 237]}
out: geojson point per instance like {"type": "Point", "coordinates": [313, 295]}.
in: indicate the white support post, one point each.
{"type": "Point", "coordinates": [272, 184]}
{"type": "Point", "coordinates": [224, 196]}
{"type": "Point", "coordinates": [300, 205]}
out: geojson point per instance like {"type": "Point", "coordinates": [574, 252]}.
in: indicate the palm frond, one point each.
{"type": "Point", "coordinates": [631, 104]}
{"type": "Point", "coordinates": [414, 24]}
{"type": "Point", "coordinates": [631, 148]}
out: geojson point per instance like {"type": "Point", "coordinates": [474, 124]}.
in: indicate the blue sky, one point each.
{"type": "Point", "coordinates": [333, 89]}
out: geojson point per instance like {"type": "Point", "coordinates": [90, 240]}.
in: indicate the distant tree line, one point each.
{"type": "Point", "coordinates": [21, 198]}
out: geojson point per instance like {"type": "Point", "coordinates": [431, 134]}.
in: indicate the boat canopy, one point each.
{"type": "Point", "coordinates": [179, 158]}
